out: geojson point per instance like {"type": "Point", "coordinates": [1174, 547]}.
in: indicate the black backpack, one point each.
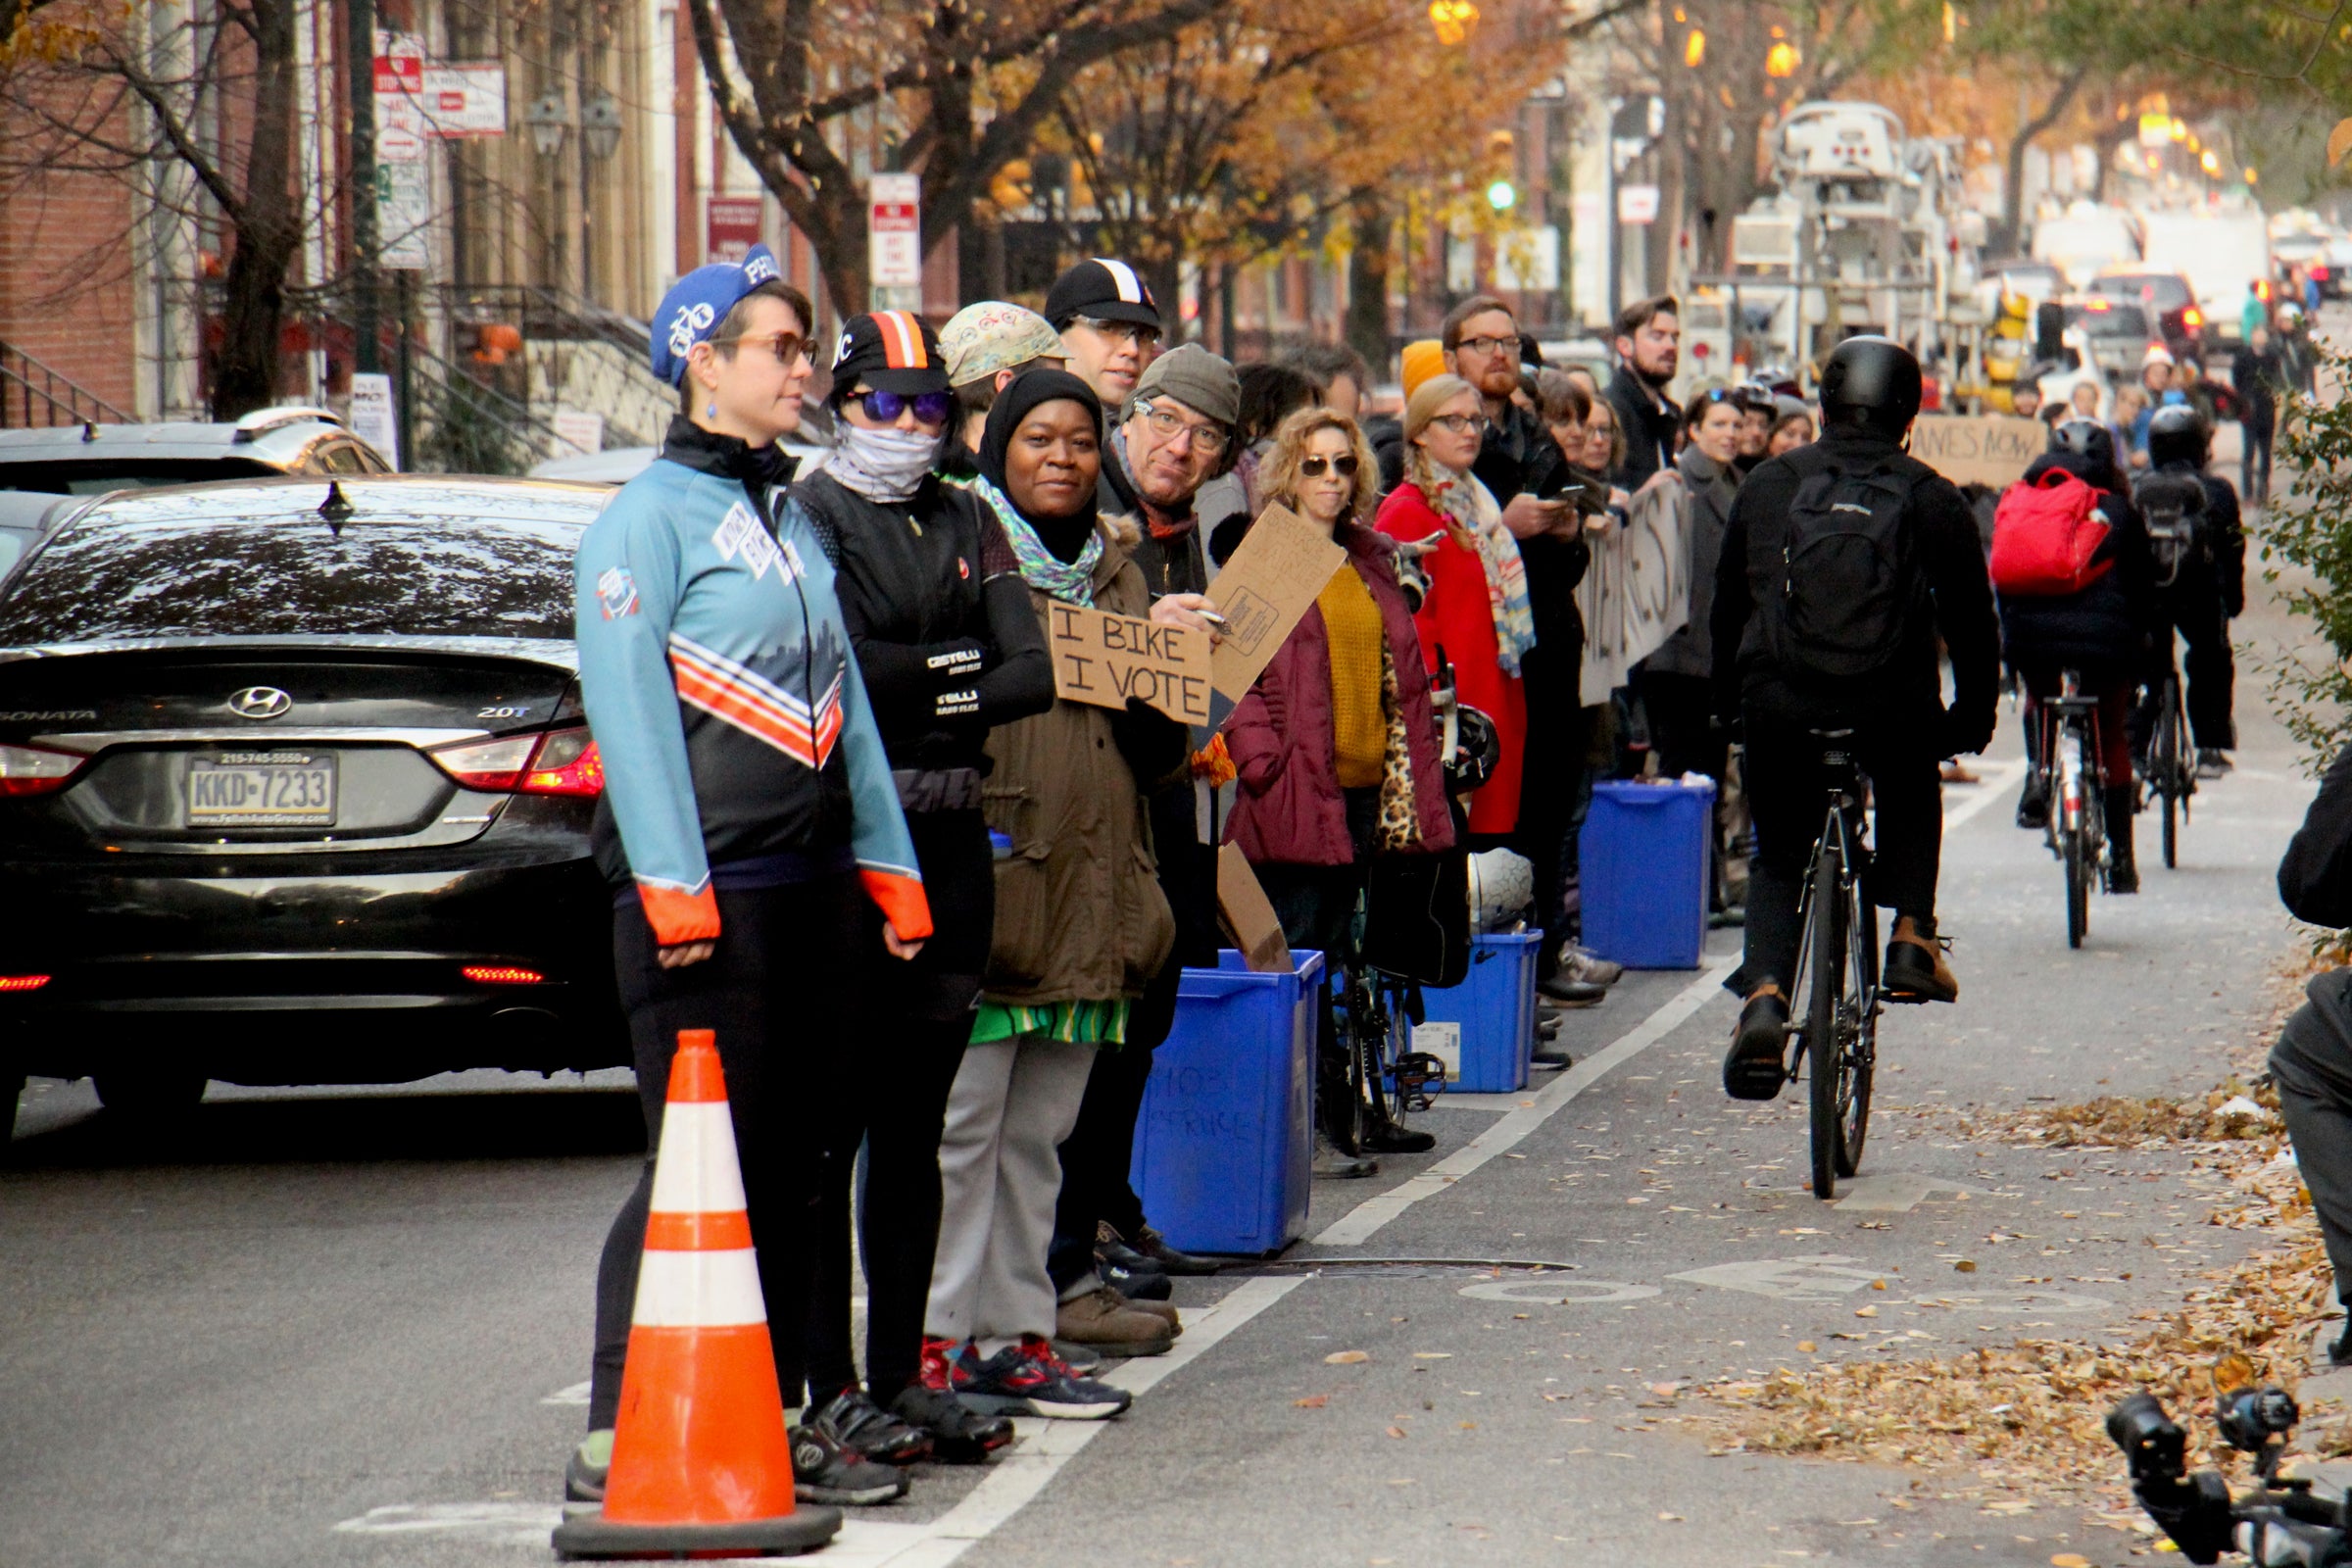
{"type": "Point", "coordinates": [1846, 591]}
{"type": "Point", "coordinates": [2173, 507]}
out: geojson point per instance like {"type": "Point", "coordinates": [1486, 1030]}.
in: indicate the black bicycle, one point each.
{"type": "Point", "coordinates": [1836, 1037]}
{"type": "Point", "coordinates": [1384, 1080]}
{"type": "Point", "coordinates": [2171, 504]}
{"type": "Point", "coordinates": [2074, 782]}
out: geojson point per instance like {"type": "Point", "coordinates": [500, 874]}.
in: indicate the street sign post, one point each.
{"type": "Point", "coordinates": [730, 226]}
{"type": "Point", "coordinates": [895, 232]}
{"type": "Point", "coordinates": [1637, 204]}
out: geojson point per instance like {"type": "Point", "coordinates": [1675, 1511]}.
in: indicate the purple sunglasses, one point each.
{"type": "Point", "coordinates": [930, 408]}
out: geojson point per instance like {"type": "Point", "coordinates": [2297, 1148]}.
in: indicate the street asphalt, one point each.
{"type": "Point", "coordinates": [349, 1328]}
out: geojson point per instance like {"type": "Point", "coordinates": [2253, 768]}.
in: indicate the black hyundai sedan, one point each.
{"type": "Point", "coordinates": [295, 787]}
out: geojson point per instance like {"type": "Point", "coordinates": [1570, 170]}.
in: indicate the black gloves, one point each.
{"type": "Point", "coordinates": [1966, 729]}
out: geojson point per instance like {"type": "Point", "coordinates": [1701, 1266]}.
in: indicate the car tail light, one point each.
{"type": "Point", "coordinates": [499, 974]}
{"type": "Point", "coordinates": [568, 763]}
{"type": "Point", "coordinates": [562, 761]}
{"type": "Point", "coordinates": [2193, 316]}
{"type": "Point", "coordinates": [21, 982]}
{"type": "Point", "coordinates": [36, 770]}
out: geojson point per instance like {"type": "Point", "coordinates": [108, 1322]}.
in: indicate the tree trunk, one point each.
{"type": "Point", "coordinates": [268, 228]}
{"type": "Point", "coordinates": [1368, 325]}
{"type": "Point", "coordinates": [2012, 188]}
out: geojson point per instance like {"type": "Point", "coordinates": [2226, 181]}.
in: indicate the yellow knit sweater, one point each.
{"type": "Point", "coordinates": [1359, 730]}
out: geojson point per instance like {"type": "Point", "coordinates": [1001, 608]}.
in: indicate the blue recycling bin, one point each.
{"type": "Point", "coordinates": [1485, 1029]}
{"type": "Point", "coordinates": [1224, 1149]}
{"type": "Point", "coordinates": [1645, 861]}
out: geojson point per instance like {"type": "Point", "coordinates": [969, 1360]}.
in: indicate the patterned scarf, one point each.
{"type": "Point", "coordinates": [1072, 582]}
{"type": "Point", "coordinates": [1470, 505]}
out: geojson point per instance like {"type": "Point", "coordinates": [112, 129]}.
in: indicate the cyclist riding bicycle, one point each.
{"type": "Point", "coordinates": [2209, 590]}
{"type": "Point", "coordinates": [2094, 620]}
{"type": "Point", "coordinates": [1842, 563]}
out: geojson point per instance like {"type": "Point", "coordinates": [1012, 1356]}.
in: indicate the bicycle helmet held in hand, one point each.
{"type": "Point", "coordinates": [1477, 751]}
{"type": "Point", "coordinates": [2177, 433]}
{"type": "Point", "coordinates": [1873, 383]}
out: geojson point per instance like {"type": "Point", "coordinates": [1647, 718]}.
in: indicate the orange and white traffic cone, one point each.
{"type": "Point", "coordinates": [701, 1463]}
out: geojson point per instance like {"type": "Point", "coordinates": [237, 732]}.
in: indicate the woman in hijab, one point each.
{"type": "Point", "coordinates": [1081, 927]}
{"type": "Point", "coordinates": [949, 647]}
{"type": "Point", "coordinates": [1475, 615]}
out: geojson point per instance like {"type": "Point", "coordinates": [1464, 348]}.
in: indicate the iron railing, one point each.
{"type": "Point", "coordinates": [33, 394]}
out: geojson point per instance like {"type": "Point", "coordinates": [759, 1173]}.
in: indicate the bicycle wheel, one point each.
{"type": "Point", "coordinates": [1355, 1122]}
{"type": "Point", "coordinates": [1827, 938]}
{"type": "Point", "coordinates": [2169, 770]}
{"type": "Point", "coordinates": [2078, 888]}
{"type": "Point", "coordinates": [1857, 1030]}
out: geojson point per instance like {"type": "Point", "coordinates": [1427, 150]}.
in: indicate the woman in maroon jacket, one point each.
{"type": "Point", "coordinates": [1336, 745]}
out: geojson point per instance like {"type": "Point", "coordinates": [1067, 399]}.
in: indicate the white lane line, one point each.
{"type": "Point", "coordinates": [1358, 1225]}
{"type": "Point", "coordinates": [1995, 782]}
{"type": "Point", "coordinates": [1046, 1447]}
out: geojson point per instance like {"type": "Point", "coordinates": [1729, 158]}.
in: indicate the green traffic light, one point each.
{"type": "Point", "coordinates": [1501, 197]}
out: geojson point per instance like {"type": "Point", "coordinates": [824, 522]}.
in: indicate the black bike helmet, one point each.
{"type": "Point", "coordinates": [2176, 433]}
{"type": "Point", "coordinates": [1477, 751]}
{"type": "Point", "coordinates": [2085, 438]}
{"type": "Point", "coordinates": [1873, 382]}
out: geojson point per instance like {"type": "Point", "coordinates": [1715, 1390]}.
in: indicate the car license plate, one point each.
{"type": "Point", "coordinates": [262, 789]}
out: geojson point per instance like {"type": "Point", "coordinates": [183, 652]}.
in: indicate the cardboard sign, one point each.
{"type": "Point", "coordinates": [1247, 915]}
{"type": "Point", "coordinates": [1982, 449]}
{"type": "Point", "coordinates": [1264, 590]}
{"type": "Point", "coordinates": [1103, 659]}
{"type": "Point", "coordinates": [1636, 592]}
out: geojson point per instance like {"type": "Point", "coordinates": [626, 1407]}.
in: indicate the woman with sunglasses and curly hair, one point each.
{"type": "Point", "coordinates": [1336, 745]}
{"type": "Point", "coordinates": [932, 595]}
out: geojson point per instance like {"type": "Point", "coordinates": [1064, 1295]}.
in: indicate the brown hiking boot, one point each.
{"type": "Point", "coordinates": [1915, 970]}
{"type": "Point", "coordinates": [1108, 1322]}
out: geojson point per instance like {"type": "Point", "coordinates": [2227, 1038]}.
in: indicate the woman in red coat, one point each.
{"type": "Point", "coordinates": [1477, 612]}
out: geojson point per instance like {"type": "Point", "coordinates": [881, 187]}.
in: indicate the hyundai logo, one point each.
{"type": "Point", "coordinates": [259, 702]}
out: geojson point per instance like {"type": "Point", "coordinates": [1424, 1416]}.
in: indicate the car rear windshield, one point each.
{"type": "Point", "coordinates": [2116, 320]}
{"type": "Point", "coordinates": [2160, 289]}
{"type": "Point", "coordinates": [427, 578]}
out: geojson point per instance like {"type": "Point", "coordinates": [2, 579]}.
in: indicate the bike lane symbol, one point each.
{"type": "Point", "coordinates": [1813, 1277]}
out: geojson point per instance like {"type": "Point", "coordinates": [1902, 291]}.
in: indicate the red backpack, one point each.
{"type": "Point", "coordinates": [2044, 536]}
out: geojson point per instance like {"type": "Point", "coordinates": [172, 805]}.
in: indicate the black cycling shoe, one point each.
{"type": "Point", "coordinates": [1137, 1285]}
{"type": "Point", "coordinates": [1757, 1066]}
{"type": "Point", "coordinates": [960, 1434]}
{"type": "Point", "coordinates": [1387, 1138]}
{"type": "Point", "coordinates": [2033, 805]}
{"type": "Point", "coordinates": [855, 1421]}
{"type": "Point", "coordinates": [825, 1471]}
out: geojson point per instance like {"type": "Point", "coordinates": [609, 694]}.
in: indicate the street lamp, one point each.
{"type": "Point", "coordinates": [1453, 20]}
{"type": "Point", "coordinates": [1695, 48]}
{"type": "Point", "coordinates": [1781, 61]}
{"type": "Point", "coordinates": [599, 124]}
{"type": "Point", "coordinates": [548, 118]}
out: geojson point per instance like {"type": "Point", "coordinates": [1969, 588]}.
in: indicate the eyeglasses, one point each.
{"type": "Point", "coordinates": [1142, 336]}
{"type": "Point", "coordinates": [1462, 423]}
{"type": "Point", "coordinates": [1491, 345]}
{"type": "Point", "coordinates": [884, 407]}
{"type": "Point", "coordinates": [786, 347]}
{"type": "Point", "coordinates": [1344, 465]}
{"type": "Point", "coordinates": [1207, 439]}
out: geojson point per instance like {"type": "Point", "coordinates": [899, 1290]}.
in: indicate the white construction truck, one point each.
{"type": "Point", "coordinates": [1867, 233]}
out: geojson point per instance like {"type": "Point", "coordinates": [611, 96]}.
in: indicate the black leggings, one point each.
{"type": "Point", "coordinates": [776, 995]}
{"type": "Point", "coordinates": [899, 1074]}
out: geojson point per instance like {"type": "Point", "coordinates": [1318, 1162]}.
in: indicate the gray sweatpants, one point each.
{"type": "Point", "coordinates": [1013, 1103]}
{"type": "Point", "coordinates": [2313, 1066]}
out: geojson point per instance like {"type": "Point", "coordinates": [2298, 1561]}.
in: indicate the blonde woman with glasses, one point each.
{"type": "Point", "coordinates": [1475, 615]}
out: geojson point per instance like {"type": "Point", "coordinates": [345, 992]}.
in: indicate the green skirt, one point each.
{"type": "Point", "coordinates": [1092, 1023]}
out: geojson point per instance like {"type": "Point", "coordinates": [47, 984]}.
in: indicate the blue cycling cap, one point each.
{"type": "Point", "coordinates": [697, 302]}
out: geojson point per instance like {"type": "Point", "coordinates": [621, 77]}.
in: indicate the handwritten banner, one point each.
{"type": "Point", "coordinates": [1991, 449]}
{"type": "Point", "coordinates": [1103, 659]}
{"type": "Point", "coordinates": [1272, 578]}
{"type": "Point", "coordinates": [1636, 592]}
